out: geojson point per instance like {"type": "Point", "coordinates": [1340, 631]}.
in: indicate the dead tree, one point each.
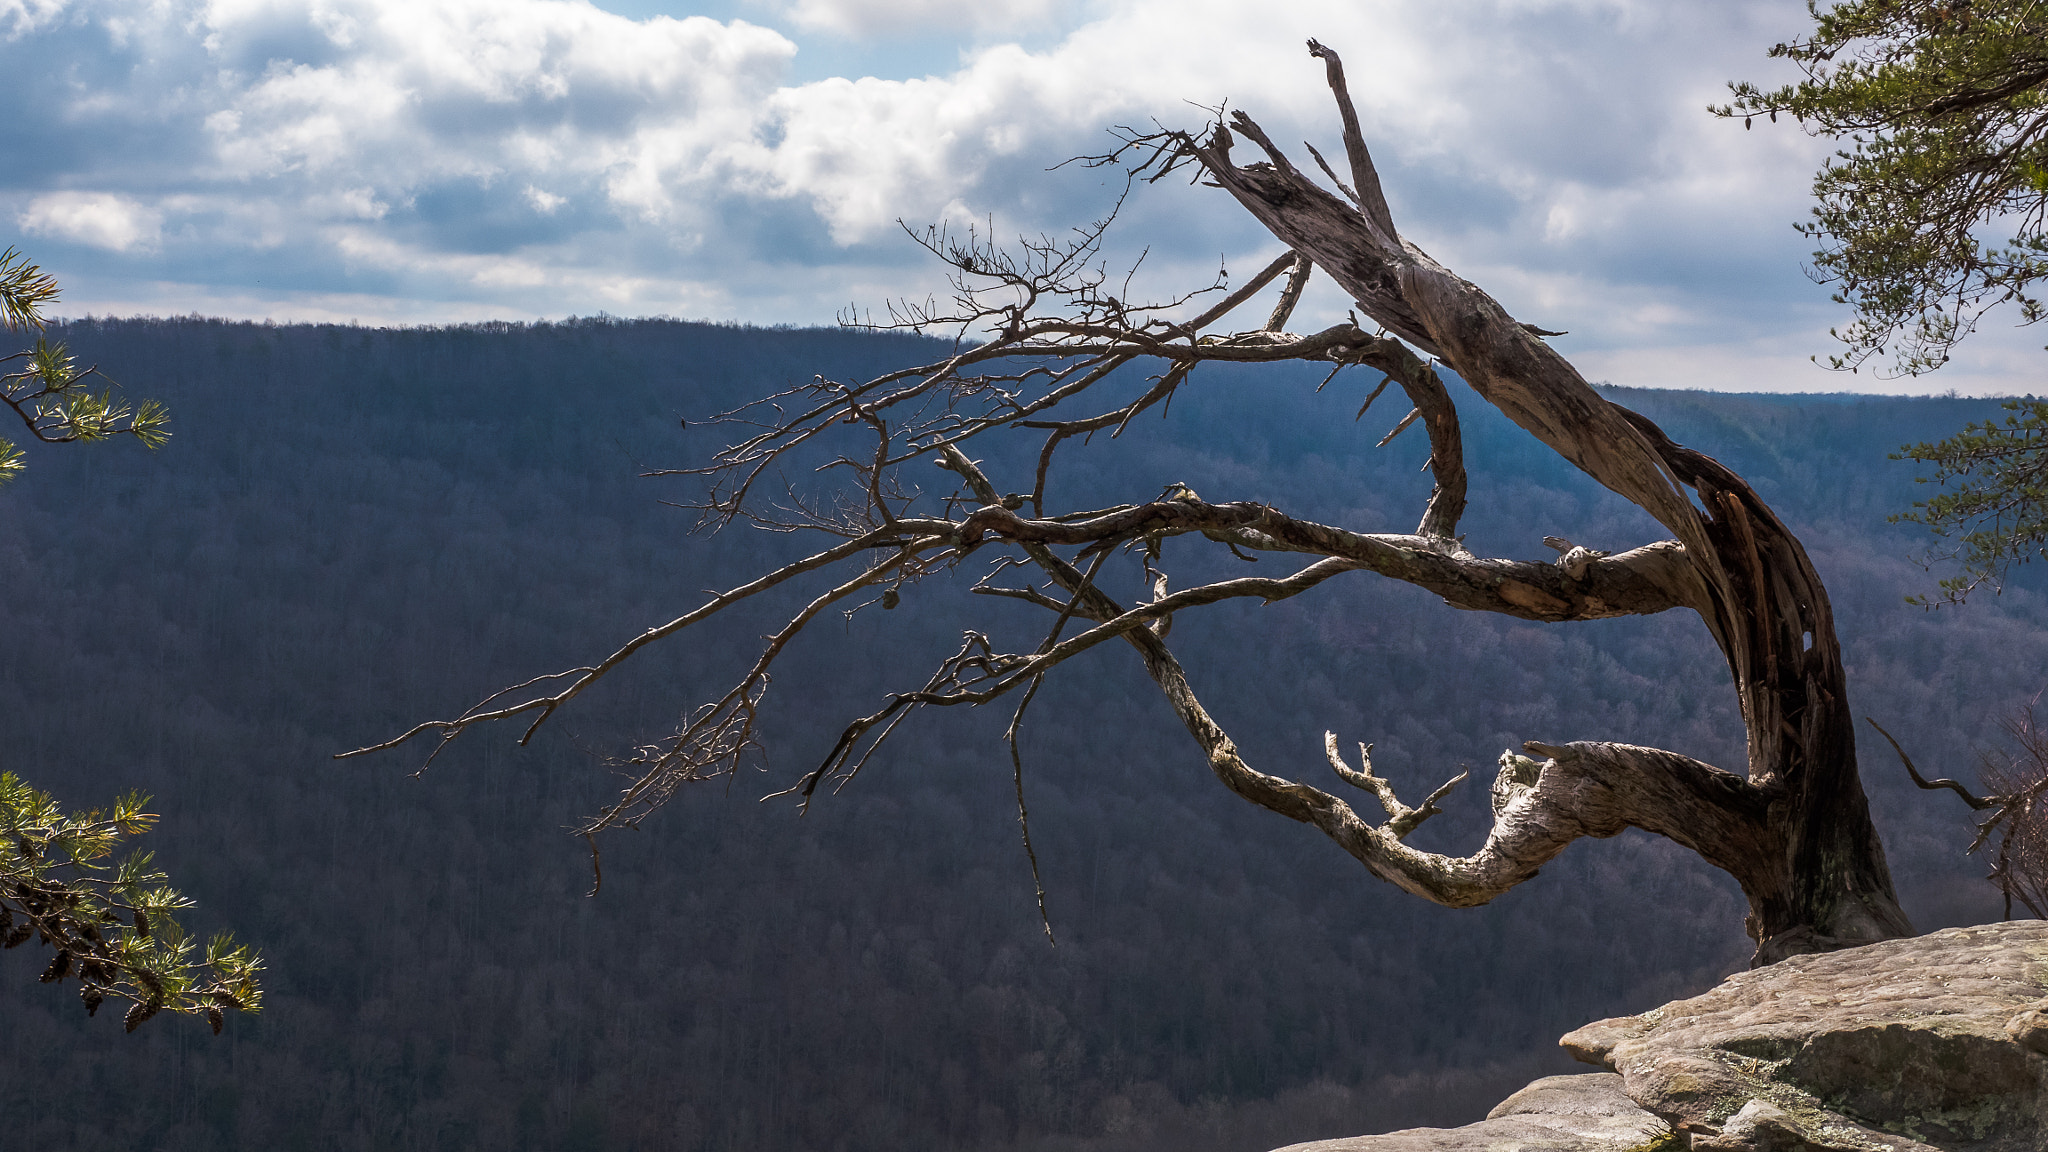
{"type": "Point", "coordinates": [2016, 808]}
{"type": "Point", "coordinates": [1040, 339]}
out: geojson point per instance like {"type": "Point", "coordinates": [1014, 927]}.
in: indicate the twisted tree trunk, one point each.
{"type": "Point", "coordinates": [1796, 833]}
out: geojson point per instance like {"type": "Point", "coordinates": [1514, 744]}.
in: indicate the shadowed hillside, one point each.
{"type": "Point", "coordinates": [353, 530]}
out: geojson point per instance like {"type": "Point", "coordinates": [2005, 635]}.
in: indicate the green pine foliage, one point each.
{"type": "Point", "coordinates": [111, 925]}
{"type": "Point", "coordinates": [1995, 513]}
{"type": "Point", "coordinates": [47, 389]}
{"type": "Point", "coordinates": [1944, 107]}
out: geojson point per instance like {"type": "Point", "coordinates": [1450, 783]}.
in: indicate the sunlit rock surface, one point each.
{"type": "Point", "coordinates": [1933, 1042]}
{"type": "Point", "coordinates": [1938, 1042]}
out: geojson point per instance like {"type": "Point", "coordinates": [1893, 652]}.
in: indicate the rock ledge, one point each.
{"type": "Point", "coordinates": [1935, 1043]}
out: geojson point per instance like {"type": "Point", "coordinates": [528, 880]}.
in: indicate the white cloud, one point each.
{"type": "Point", "coordinates": [406, 93]}
{"type": "Point", "coordinates": [877, 17]}
{"type": "Point", "coordinates": [20, 17]}
{"type": "Point", "coordinates": [546, 157]}
{"type": "Point", "coordinates": [98, 219]}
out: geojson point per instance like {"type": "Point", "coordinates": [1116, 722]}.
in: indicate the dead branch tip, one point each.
{"type": "Point", "coordinates": [1931, 785]}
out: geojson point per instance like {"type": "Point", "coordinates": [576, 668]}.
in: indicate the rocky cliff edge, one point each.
{"type": "Point", "coordinates": [1935, 1043]}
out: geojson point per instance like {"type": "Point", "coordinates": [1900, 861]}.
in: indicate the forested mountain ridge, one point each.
{"type": "Point", "coordinates": [356, 529]}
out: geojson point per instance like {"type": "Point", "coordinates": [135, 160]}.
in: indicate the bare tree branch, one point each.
{"type": "Point", "coordinates": [1931, 785]}
{"type": "Point", "coordinates": [1047, 338]}
{"type": "Point", "coordinates": [1371, 200]}
{"type": "Point", "coordinates": [1401, 819]}
{"type": "Point", "coordinates": [585, 677]}
{"type": "Point", "coordinates": [1297, 280]}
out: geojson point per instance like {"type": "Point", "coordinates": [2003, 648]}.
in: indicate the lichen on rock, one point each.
{"type": "Point", "coordinates": [1925, 1043]}
{"type": "Point", "coordinates": [1932, 1044]}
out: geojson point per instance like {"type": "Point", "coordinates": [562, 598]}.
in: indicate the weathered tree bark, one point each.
{"type": "Point", "coordinates": [1796, 833]}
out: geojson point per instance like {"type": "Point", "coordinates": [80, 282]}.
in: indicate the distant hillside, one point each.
{"type": "Point", "coordinates": [356, 529]}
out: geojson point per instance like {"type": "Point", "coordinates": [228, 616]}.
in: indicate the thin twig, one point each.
{"type": "Point", "coordinates": [1023, 814]}
{"type": "Point", "coordinates": [1399, 428]}
{"type": "Point", "coordinates": [1931, 785]}
{"type": "Point", "coordinates": [1290, 295]}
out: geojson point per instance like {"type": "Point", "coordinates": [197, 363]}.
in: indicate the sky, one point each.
{"type": "Point", "coordinates": [437, 161]}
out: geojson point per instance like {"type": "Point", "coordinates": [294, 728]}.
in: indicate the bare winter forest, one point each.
{"type": "Point", "coordinates": [354, 529]}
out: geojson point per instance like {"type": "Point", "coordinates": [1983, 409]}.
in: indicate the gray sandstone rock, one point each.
{"type": "Point", "coordinates": [1906, 1046]}
{"type": "Point", "coordinates": [1585, 1113]}
{"type": "Point", "coordinates": [1935, 1044]}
